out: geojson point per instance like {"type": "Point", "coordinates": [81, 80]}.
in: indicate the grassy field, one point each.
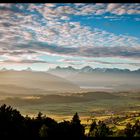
{"type": "Point", "coordinates": [86, 104]}
{"type": "Point", "coordinates": [116, 109]}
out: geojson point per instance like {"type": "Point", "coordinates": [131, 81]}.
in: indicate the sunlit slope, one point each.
{"type": "Point", "coordinates": [35, 82]}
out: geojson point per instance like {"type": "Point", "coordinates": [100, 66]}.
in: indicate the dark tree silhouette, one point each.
{"type": "Point", "coordinates": [99, 130]}
{"type": "Point", "coordinates": [39, 116]}
{"type": "Point", "coordinates": [136, 128]}
{"type": "Point", "coordinates": [77, 128]}
{"type": "Point", "coordinates": [11, 122]}
{"type": "Point", "coordinates": [64, 130]}
{"type": "Point", "coordinates": [92, 127]}
{"type": "Point", "coordinates": [14, 126]}
{"type": "Point", "coordinates": [129, 132]}
{"type": "Point", "coordinates": [76, 119]}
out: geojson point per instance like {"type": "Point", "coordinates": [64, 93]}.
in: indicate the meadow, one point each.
{"type": "Point", "coordinates": [87, 104]}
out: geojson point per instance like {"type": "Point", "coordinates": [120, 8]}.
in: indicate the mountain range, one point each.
{"type": "Point", "coordinates": [72, 79]}
{"type": "Point", "coordinates": [88, 69]}
{"type": "Point", "coordinates": [100, 78]}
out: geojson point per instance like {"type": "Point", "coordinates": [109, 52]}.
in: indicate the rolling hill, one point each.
{"type": "Point", "coordinates": [29, 82]}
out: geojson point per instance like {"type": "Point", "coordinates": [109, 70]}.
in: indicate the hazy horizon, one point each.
{"type": "Point", "coordinates": [44, 70]}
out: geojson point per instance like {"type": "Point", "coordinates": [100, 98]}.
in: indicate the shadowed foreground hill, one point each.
{"type": "Point", "coordinates": [21, 81]}
{"type": "Point", "coordinates": [14, 125]}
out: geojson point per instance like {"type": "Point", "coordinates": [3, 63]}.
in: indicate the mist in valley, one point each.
{"type": "Point", "coordinates": [53, 94]}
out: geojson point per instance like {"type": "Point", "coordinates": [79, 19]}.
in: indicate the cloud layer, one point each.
{"type": "Point", "coordinates": [29, 30]}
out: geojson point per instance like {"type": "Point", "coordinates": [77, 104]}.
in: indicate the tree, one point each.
{"type": "Point", "coordinates": [43, 131]}
{"type": "Point", "coordinates": [39, 116]}
{"type": "Point", "coordinates": [136, 128]}
{"type": "Point", "coordinates": [77, 128]}
{"type": "Point", "coordinates": [92, 127]}
{"type": "Point", "coordinates": [99, 130]}
{"type": "Point", "coordinates": [129, 131]}
{"type": "Point", "coordinates": [11, 122]}
{"type": "Point", "coordinates": [64, 130]}
{"type": "Point", "coordinates": [76, 119]}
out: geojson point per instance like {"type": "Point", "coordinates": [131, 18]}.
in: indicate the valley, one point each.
{"type": "Point", "coordinates": [60, 97]}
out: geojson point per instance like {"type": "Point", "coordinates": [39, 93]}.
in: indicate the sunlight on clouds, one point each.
{"type": "Point", "coordinates": [30, 31]}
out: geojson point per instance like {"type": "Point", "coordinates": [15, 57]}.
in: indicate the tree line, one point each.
{"type": "Point", "coordinates": [14, 125]}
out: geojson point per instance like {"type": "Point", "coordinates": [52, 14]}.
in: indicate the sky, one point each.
{"type": "Point", "coordinates": [42, 36]}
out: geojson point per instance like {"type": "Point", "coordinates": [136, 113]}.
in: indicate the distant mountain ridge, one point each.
{"type": "Point", "coordinates": [88, 69]}
{"type": "Point", "coordinates": [72, 79]}
{"type": "Point", "coordinates": [100, 78]}
{"type": "Point", "coordinates": [27, 69]}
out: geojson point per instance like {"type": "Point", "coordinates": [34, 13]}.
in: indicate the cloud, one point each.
{"type": "Point", "coordinates": [116, 17]}
{"type": "Point", "coordinates": [20, 56]}
{"type": "Point", "coordinates": [20, 27]}
{"type": "Point", "coordinates": [16, 52]}
{"type": "Point", "coordinates": [114, 63]}
{"type": "Point", "coordinates": [26, 30]}
{"type": "Point", "coordinates": [121, 9]}
{"type": "Point", "coordinates": [73, 34]}
{"type": "Point", "coordinates": [112, 8]}
{"type": "Point", "coordinates": [102, 8]}
{"type": "Point", "coordinates": [87, 51]}
{"type": "Point", "coordinates": [24, 61]}
{"type": "Point", "coordinates": [85, 61]}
